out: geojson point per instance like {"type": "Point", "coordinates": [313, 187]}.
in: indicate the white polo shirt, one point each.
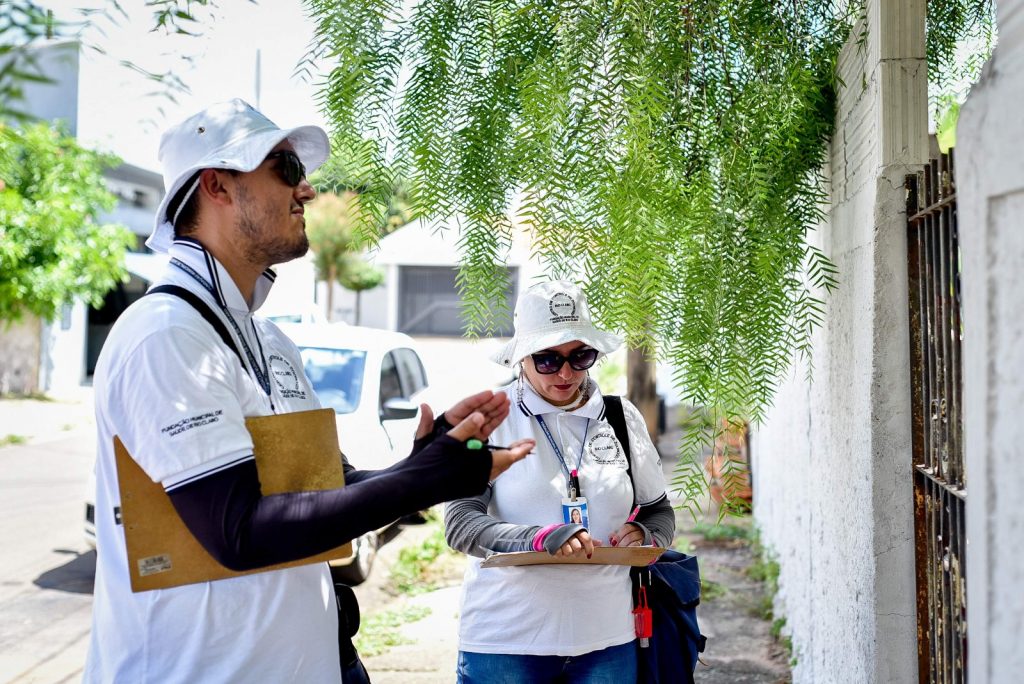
{"type": "Point", "coordinates": [565, 610]}
{"type": "Point", "coordinates": [177, 397]}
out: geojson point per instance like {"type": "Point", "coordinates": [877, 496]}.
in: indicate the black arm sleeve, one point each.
{"type": "Point", "coordinates": [244, 530]}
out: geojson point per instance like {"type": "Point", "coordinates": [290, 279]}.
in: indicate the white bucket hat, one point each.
{"type": "Point", "coordinates": [551, 314]}
{"type": "Point", "coordinates": [227, 135]}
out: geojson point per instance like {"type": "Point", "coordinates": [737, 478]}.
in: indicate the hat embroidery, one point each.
{"type": "Point", "coordinates": [563, 308]}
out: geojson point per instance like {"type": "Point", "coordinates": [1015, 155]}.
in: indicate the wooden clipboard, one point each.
{"type": "Point", "coordinates": [603, 555]}
{"type": "Point", "coordinates": [294, 452]}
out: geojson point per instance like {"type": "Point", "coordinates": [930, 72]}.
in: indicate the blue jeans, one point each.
{"type": "Point", "coordinates": [612, 665]}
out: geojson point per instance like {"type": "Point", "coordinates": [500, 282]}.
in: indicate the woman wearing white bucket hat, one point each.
{"type": "Point", "coordinates": [560, 622]}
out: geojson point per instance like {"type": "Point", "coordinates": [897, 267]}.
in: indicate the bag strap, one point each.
{"type": "Point", "coordinates": [204, 310]}
{"type": "Point", "coordinates": [615, 416]}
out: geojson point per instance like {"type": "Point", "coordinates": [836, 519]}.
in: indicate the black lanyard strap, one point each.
{"type": "Point", "coordinates": [571, 475]}
{"type": "Point", "coordinates": [262, 373]}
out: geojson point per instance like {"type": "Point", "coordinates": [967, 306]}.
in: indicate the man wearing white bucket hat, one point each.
{"type": "Point", "coordinates": [558, 623]}
{"type": "Point", "coordinates": [179, 373]}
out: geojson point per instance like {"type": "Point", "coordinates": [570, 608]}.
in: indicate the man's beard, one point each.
{"type": "Point", "coordinates": [264, 245]}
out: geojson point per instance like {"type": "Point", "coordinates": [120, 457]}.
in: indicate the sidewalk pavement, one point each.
{"type": "Point", "coordinates": [54, 417]}
{"type": "Point", "coordinates": [740, 650]}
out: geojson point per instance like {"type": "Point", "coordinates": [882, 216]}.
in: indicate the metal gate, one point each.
{"type": "Point", "coordinates": [936, 332]}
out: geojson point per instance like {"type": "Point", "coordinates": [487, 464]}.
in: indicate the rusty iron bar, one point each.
{"type": "Point", "coordinates": [942, 331]}
{"type": "Point", "coordinates": [914, 246]}
{"type": "Point", "coordinates": [936, 334]}
{"type": "Point", "coordinates": [918, 443]}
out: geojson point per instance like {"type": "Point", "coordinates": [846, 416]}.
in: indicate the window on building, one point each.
{"type": "Point", "coordinates": [429, 301]}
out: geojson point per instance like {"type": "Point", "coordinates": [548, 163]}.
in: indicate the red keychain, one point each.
{"type": "Point", "coordinates": [643, 619]}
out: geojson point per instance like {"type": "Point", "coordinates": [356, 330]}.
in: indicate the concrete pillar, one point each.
{"type": "Point", "coordinates": [990, 199]}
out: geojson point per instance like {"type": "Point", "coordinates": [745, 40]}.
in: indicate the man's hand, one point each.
{"type": "Point", "coordinates": [502, 459]}
{"type": "Point", "coordinates": [426, 425]}
{"type": "Point", "coordinates": [477, 417]}
{"type": "Point", "coordinates": [493, 406]}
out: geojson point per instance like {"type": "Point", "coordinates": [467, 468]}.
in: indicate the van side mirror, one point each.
{"type": "Point", "coordinates": [398, 408]}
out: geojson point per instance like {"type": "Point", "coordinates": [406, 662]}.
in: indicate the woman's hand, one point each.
{"type": "Point", "coordinates": [629, 534]}
{"type": "Point", "coordinates": [502, 459]}
{"type": "Point", "coordinates": [581, 544]}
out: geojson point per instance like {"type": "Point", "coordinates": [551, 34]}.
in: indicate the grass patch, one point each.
{"type": "Point", "coordinates": [380, 632]}
{"type": "Point", "coordinates": [8, 440]}
{"type": "Point", "coordinates": [765, 569]}
{"type": "Point", "coordinates": [410, 573]}
{"type": "Point", "coordinates": [719, 532]}
{"type": "Point", "coordinates": [683, 545]}
{"type": "Point", "coordinates": [783, 640]}
{"type": "Point", "coordinates": [709, 591]}
{"type": "Point", "coordinates": [34, 396]}
{"type": "Point", "coordinates": [777, 625]}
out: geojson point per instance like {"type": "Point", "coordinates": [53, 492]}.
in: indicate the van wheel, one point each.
{"type": "Point", "coordinates": [364, 551]}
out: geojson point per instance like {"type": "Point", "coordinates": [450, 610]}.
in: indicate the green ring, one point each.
{"type": "Point", "coordinates": [474, 444]}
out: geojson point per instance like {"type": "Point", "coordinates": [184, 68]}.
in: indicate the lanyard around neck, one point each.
{"type": "Point", "coordinates": [571, 475]}
{"type": "Point", "coordinates": [262, 373]}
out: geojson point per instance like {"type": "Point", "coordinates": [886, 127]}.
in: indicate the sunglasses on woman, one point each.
{"type": "Point", "coordinates": [548, 362]}
{"type": "Point", "coordinates": [290, 167]}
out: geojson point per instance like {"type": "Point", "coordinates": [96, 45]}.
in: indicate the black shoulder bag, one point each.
{"type": "Point", "coordinates": [672, 588]}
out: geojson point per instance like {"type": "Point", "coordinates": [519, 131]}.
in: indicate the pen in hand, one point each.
{"type": "Point", "coordinates": [477, 444]}
{"type": "Point", "coordinates": [632, 517]}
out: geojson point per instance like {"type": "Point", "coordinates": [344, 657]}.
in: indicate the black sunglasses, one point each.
{"type": "Point", "coordinates": [548, 362]}
{"type": "Point", "coordinates": [290, 167]}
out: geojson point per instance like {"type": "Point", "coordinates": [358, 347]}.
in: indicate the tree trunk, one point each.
{"type": "Point", "coordinates": [359, 294]}
{"type": "Point", "coordinates": [641, 389]}
{"type": "Point", "coordinates": [332, 276]}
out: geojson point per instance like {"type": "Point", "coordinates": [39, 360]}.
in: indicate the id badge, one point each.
{"type": "Point", "coordinates": [575, 511]}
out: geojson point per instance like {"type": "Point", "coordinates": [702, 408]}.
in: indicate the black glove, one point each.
{"type": "Point", "coordinates": [441, 426]}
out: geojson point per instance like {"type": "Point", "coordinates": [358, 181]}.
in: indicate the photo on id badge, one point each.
{"type": "Point", "coordinates": [575, 511]}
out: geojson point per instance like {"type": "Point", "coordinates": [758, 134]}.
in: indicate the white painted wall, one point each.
{"type": "Point", "coordinates": [56, 99]}
{"type": "Point", "coordinates": [63, 355]}
{"type": "Point", "coordinates": [990, 200]}
{"type": "Point", "coordinates": [19, 355]}
{"type": "Point", "coordinates": [832, 463]}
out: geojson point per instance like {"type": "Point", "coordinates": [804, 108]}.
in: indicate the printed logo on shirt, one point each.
{"type": "Point", "coordinates": [563, 309]}
{"type": "Point", "coordinates": [287, 379]}
{"type": "Point", "coordinates": [192, 422]}
{"type": "Point", "coordinates": [605, 450]}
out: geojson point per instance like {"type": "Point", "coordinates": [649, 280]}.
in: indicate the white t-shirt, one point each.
{"type": "Point", "coordinates": [177, 397]}
{"type": "Point", "coordinates": [565, 610]}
